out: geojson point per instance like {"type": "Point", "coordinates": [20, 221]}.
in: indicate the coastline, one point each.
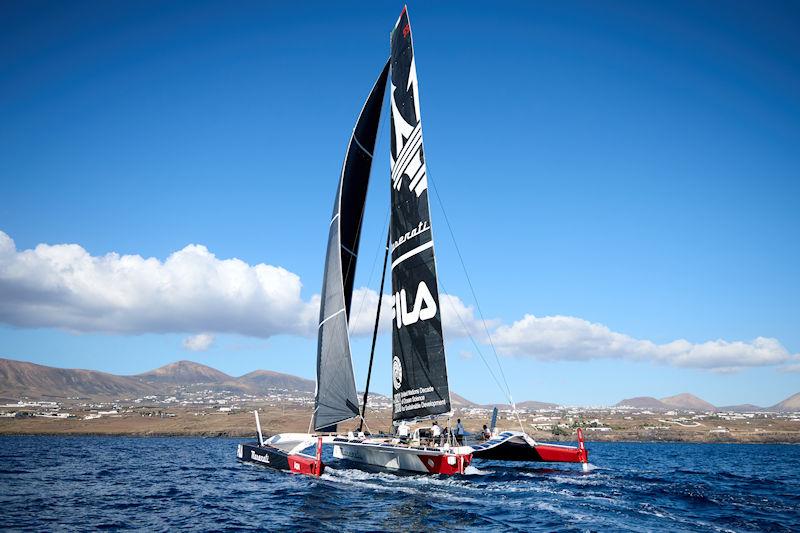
{"type": "Point", "coordinates": [241, 425]}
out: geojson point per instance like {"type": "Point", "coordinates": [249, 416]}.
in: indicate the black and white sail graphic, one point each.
{"type": "Point", "coordinates": [335, 398]}
{"type": "Point", "coordinates": [419, 369]}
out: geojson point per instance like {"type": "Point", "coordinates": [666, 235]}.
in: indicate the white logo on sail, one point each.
{"type": "Point", "coordinates": [424, 306]}
{"type": "Point", "coordinates": [422, 228]}
{"type": "Point", "coordinates": [397, 373]}
{"type": "Point", "coordinates": [410, 160]}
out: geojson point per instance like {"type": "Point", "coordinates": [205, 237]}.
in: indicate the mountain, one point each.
{"type": "Point", "coordinates": [741, 408]}
{"type": "Point", "coordinates": [459, 402]}
{"type": "Point", "coordinates": [18, 378]}
{"type": "Point", "coordinates": [185, 373]}
{"type": "Point", "coordinates": [643, 402]}
{"type": "Point", "coordinates": [261, 380]}
{"type": "Point", "coordinates": [790, 404]}
{"type": "Point", "coordinates": [687, 401]}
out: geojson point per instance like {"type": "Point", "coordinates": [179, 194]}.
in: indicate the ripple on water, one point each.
{"type": "Point", "coordinates": [163, 484]}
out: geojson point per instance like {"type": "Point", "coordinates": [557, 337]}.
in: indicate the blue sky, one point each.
{"type": "Point", "coordinates": [628, 165]}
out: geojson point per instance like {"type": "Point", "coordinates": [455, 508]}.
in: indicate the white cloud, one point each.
{"type": "Point", "coordinates": [63, 286]}
{"type": "Point", "coordinates": [198, 343]}
{"type": "Point", "coordinates": [466, 355]}
{"type": "Point", "coordinates": [791, 369]}
{"type": "Point", "coordinates": [571, 338]}
{"type": "Point", "coordinates": [362, 312]}
{"type": "Point", "coordinates": [458, 319]}
{"type": "Point", "coordinates": [194, 292]}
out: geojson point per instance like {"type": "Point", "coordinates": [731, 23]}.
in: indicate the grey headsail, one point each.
{"type": "Point", "coordinates": [335, 398]}
{"type": "Point", "coordinates": [419, 368]}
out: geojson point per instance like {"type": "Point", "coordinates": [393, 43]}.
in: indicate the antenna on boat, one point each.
{"type": "Point", "coordinates": [374, 334]}
{"type": "Point", "coordinates": [258, 427]}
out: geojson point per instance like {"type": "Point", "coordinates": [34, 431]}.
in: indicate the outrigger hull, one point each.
{"type": "Point", "coordinates": [397, 457]}
{"type": "Point", "coordinates": [517, 446]}
{"type": "Point", "coordinates": [272, 457]}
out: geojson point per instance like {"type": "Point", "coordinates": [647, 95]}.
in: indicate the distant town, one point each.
{"type": "Point", "coordinates": [186, 398]}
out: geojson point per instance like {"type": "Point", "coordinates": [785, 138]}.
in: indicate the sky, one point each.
{"type": "Point", "coordinates": [621, 179]}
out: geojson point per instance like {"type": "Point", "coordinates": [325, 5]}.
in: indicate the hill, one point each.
{"type": "Point", "coordinates": [687, 401]}
{"type": "Point", "coordinates": [18, 378]}
{"type": "Point", "coordinates": [741, 408]}
{"type": "Point", "coordinates": [22, 379]}
{"type": "Point", "coordinates": [185, 373]}
{"type": "Point", "coordinates": [644, 402]}
{"type": "Point", "coordinates": [261, 380]}
{"type": "Point", "coordinates": [790, 404]}
{"type": "Point", "coordinates": [459, 402]}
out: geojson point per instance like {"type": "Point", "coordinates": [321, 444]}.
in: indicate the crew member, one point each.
{"type": "Point", "coordinates": [436, 432]}
{"type": "Point", "coordinates": [402, 431]}
{"type": "Point", "coordinates": [459, 433]}
{"type": "Point", "coordinates": [486, 433]}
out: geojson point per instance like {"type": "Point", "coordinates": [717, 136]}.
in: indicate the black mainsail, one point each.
{"type": "Point", "coordinates": [419, 368]}
{"type": "Point", "coordinates": [335, 398]}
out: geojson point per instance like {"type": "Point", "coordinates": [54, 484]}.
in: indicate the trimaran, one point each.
{"type": "Point", "coordinates": [419, 368]}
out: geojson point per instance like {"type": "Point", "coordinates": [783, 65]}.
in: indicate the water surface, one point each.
{"type": "Point", "coordinates": [160, 484]}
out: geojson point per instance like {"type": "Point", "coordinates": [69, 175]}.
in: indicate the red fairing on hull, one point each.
{"type": "Point", "coordinates": [302, 464]}
{"type": "Point", "coordinates": [559, 454]}
{"type": "Point", "coordinates": [311, 466]}
{"type": "Point", "coordinates": [564, 454]}
{"type": "Point", "coordinates": [439, 464]}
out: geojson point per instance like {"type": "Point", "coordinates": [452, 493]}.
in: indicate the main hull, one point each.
{"type": "Point", "coordinates": [397, 457]}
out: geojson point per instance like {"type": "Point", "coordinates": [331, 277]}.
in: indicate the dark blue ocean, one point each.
{"type": "Point", "coordinates": [165, 484]}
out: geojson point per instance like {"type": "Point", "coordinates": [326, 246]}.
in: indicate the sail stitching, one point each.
{"type": "Point", "coordinates": [360, 146]}
{"type": "Point", "coordinates": [348, 250]}
{"type": "Point", "coordinates": [340, 311]}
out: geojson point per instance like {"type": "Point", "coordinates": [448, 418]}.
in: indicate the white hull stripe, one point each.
{"type": "Point", "coordinates": [334, 218]}
{"type": "Point", "coordinates": [412, 253]}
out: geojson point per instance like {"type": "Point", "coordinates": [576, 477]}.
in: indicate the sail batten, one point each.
{"type": "Point", "coordinates": [419, 367]}
{"type": "Point", "coordinates": [335, 396]}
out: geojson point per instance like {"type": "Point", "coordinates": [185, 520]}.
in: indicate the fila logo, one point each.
{"type": "Point", "coordinates": [424, 306]}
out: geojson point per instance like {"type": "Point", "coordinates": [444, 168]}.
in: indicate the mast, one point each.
{"type": "Point", "coordinates": [335, 398]}
{"type": "Point", "coordinates": [419, 367]}
{"type": "Point", "coordinates": [374, 336]}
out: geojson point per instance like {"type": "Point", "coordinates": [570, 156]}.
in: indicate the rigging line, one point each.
{"type": "Point", "coordinates": [469, 282]}
{"type": "Point", "coordinates": [372, 270]}
{"type": "Point", "coordinates": [475, 297]}
{"type": "Point", "coordinates": [472, 339]}
{"type": "Point", "coordinates": [375, 333]}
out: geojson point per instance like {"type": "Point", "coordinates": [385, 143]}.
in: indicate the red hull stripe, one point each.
{"type": "Point", "coordinates": [446, 464]}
